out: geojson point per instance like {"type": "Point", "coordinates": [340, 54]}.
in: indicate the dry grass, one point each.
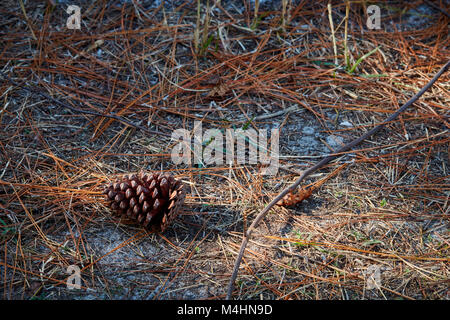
{"type": "Point", "coordinates": [386, 209]}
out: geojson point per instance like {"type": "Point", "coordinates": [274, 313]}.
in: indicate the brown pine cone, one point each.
{"type": "Point", "coordinates": [293, 198]}
{"type": "Point", "coordinates": [152, 200]}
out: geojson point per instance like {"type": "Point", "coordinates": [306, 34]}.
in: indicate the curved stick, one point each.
{"type": "Point", "coordinates": [319, 165]}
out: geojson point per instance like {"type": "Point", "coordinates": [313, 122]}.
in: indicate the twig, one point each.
{"type": "Point", "coordinates": [27, 19]}
{"type": "Point", "coordinates": [94, 113]}
{"type": "Point", "coordinates": [346, 59]}
{"type": "Point", "coordinates": [319, 165]}
{"type": "Point", "coordinates": [332, 33]}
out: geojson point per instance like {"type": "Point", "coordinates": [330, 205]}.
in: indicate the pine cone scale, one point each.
{"type": "Point", "coordinates": [151, 200]}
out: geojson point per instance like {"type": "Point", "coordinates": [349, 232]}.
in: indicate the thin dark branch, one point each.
{"type": "Point", "coordinates": [316, 167]}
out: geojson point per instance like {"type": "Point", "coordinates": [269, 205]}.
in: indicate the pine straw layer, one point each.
{"type": "Point", "coordinates": [383, 215]}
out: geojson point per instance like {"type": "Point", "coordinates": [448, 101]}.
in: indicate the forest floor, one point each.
{"type": "Point", "coordinates": [377, 225]}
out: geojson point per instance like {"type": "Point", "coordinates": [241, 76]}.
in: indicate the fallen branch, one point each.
{"type": "Point", "coordinates": [316, 167]}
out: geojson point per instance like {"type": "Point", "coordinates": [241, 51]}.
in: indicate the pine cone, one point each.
{"type": "Point", "coordinates": [293, 198]}
{"type": "Point", "coordinates": [152, 200]}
